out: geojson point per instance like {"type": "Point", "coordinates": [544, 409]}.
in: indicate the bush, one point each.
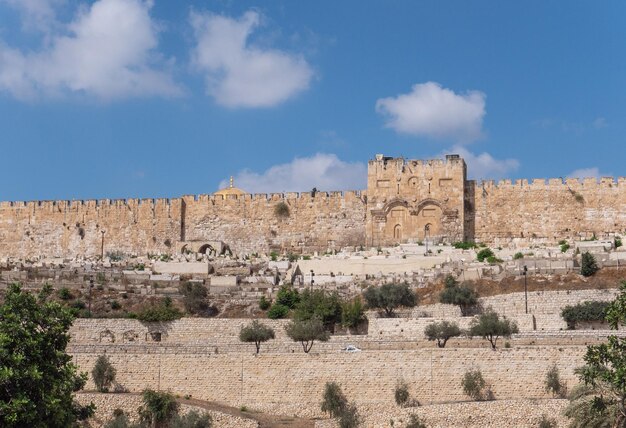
{"type": "Point", "coordinates": [277, 311]}
{"type": "Point", "coordinates": [288, 296]}
{"type": "Point", "coordinates": [103, 373]}
{"type": "Point", "coordinates": [484, 253]}
{"type": "Point", "coordinates": [120, 420]}
{"type": "Point", "coordinates": [115, 305]}
{"type": "Point", "coordinates": [307, 332]}
{"type": "Point", "coordinates": [474, 386]}
{"type": "Point", "coordinates": [164, 311]}
{"type": "Point", "coordinates": [192, 419]}
{"type": "Point", "coordinates": [588, 264]}
{"type": "Point", "coordinates": [553, 383]}
{"type": "Point", "coordinates": [319, 304]}
{"type": "Point", "coordinates": [158, 408]}
{"type": "Point", "coordinates": [461, 295]}
{"type": "Point", "coordinates": [65, 294]}
{"type": "Point", "coordinates": [490, 327]}
{"type": "Point", "coordinates": [389, 297]}
{"type": "Point", "coordinates": [401, 394]}
{"type": "Point", "coordinates": [415, 422]}
{"type": "Point", "coordinates": [518, 256]}
{"type": "Point", "coordinates": [352, 313]}
{"type": "Point", "coordinates": [584, 312]}
{"type": "Point", "coordinates": [281, 210]}
{"type": "Point", "coordinates": [257, 333]}
{"type": "Point", "coordinates": [333, 401]}
{"type": "Point", "coordinates": [264, 304]}
{"type": "Point", "coordinates": [617, 242]}
{"type": "Point", "coordinates": [194, 297]}
{"type": "Point", "coordinates": [350, 417]}
{"type": "Point", "coordinates": [464, 245]}
{"type": "Point", "coordinates": [442, 332]}
{"type": "Point", "coordinates": [565, 247]}
{"type": "Point", "coordinates": [492, 260]}
{"type": "Point", "coordinates": [547, 422]}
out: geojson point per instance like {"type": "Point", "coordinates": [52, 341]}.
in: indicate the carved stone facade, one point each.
{"type": "Point", "coordinates": [414, 200]}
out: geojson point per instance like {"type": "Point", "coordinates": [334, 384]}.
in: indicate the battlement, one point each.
{"type": "Point", "coordinates": [587, 183]}
{"type": "Point", "coordinates": [450, 160]}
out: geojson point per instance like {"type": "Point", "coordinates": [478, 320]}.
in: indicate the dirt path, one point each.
{"type": "Point", "coordinates": [265, 420]}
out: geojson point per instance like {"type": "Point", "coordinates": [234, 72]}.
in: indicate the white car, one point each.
{"type": "Point", "coordinates": [351, 348]}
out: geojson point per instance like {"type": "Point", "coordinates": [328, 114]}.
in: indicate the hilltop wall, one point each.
{"type": "Point", "coordinates": [546, 210]}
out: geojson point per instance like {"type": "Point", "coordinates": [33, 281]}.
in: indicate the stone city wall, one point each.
{"type": "Point", "coordinates": [550, 210]}
{"type": "Point", "coordinates": [298, 379]}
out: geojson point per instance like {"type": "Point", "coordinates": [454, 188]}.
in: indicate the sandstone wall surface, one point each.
{"type": "Point", "coordinates": [434, 375]}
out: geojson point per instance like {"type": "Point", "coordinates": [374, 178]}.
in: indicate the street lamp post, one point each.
{"type": "Point", "coordinates": [102, 245]}
{"type": "Point", "coordinates": [525, 273]}
{"type": "Point", "coordinates": [90, 287]}
{"type": "Point", "coordinates": [426, 230]}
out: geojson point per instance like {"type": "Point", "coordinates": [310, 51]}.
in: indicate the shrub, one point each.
{"type": "Point", "coordinates": [158, 408]}
{"type": "Point", "coordinates": [288, 296]}
{"type": "Point", "coordinates": [617, 242]}
{"type": "Point", "coordinates": [464, 245]}
{"type": "Point", "coordinates": [115, 256]}
{"type": "Point", "coordinates": [401, 394]}
{"type": "Point", "coordinates": [389, 297]}
{"type": "Point", "coordinates": [350, 417]}
{"type": "Point", "coordinates": [565, 247]}
{"type": "Point", "coordinates": [319, 304]}
{"type": "Point", "coordinates": [352, 313]}
{"type": "Point", "coordinates": [492, 260]}
{"type": "Point", "coordinates": [281, 210]}
{"type": "Point", "coordinates": [273, 256]}
{"type": "Point", "coordinates": [518, 256]}
{"type": "Point", "coordinates": [307, 332]}
{"type": "Point", "coordinates": [442, 332]}
{"type": "Point", "coordinates": [588, 264]}
{"type": "Point", "coordinates": [490, 327]}
{"type": "Point", "coordinates": [120, 420]}
{"type": "Point", "coordinates": [415, 422]}
{"type": "Point", "coordinates": [474, 385]}
{"type": "Point", "coordinates": [192, 419]}
{"type": "Point", "coordinates": [277, 311]}
{"type": "Point", "coordinates": [584, 312]}
{"type": "Point", "coordinates": [103, 373]}
{"type": "Point", "coordinates": [264, 304]}
{"type": "Point", "coordinates": [164, 311]}
{"type": "Point", "coordinates": [257, 333]}
{"type": "Point", "coordinates": [65, 294]}
{"type": "Point", "coordinates": [115, 305]}
{"type": "Point", "coordinates": [553, 383]}
{"type": "Point", "coordinates": [547, 422]}
{"type": "Point", "coordinates": [194, 297]}
{"type": "Point", "coordinates": [461, 295]}
{"type": "Point", "coordinates": [484, 253]}
{"type": "Point", "coordinates": [78, 304]}
{"type": "Point", "coordinates": [333, 401]}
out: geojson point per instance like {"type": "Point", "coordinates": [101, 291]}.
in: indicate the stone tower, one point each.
{"type": "Point", "coordinates": [414, 200]}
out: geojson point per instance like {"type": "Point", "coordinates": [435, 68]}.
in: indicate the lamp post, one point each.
{"type": "Point", "coordinates": [525, 287]}
{"type": "Point", "coordinates": [90, 287]}
{"type": "Point", "coordinates": [426, 230]}
{"type": "Point", "coordinates": [102, 245]}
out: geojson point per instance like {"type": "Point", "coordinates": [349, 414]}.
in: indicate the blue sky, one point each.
{"type": "Point", "coordinates": [131, 98]}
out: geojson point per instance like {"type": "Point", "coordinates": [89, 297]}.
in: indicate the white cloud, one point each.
{"type": "Point", "coordinates": [239, 74]}
{"type": "Point", "coordinates": [430, 110]}
{"type": "Point", "coordinates": [485, 166]}
{"type": "Point", "coordinates": [326, 172]}
{"type": "Point", "coordinates": [108, 52]}
{"type": "Point", "coordinates": [36, 14]}
{"type": "Point", "coordinates": [587, 172]}
{"type": "Point", "coordinates": [599, 123]}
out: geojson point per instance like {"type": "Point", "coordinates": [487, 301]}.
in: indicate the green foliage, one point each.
{"type": "Point", "coordinates": [307, 332]}
{"type": "Point", "coordinates": [474, 385]}
{"type": "Point", "coordinates": [590, 407]}
{"type": "Point", "coordinates": [588, 265]}
{"type": "Point", "coordinates": [192, 419]}
{"type": "Point", "coordinates": [281, 210]}
{"type": "Point", "coordinates": [547, 422]}
{"type": "Point", "coordinates": [288, 296]}
{"type": "Point", "coordinates": [415, 422]}
{"type": "Point", "coordinates": [492, 260]}
{"type": "Point", "coordinates": [565, 247]}
{"type": "Point", "coordinates": [490, 327]}
{"type": "Point", "coordinates": [585, 312]}
{"type": "Point", "coordinates": [333, 401]}
{"type": "Point", "coordinates": [389, 297]}
{"type": "Point", "coordinates": [103, 373]}
{"type": "Point", "coordinates": [464, 245]}
{"type": "Point", "coordinates": [461, 295]}
{"type": "Point", "coordinates": [115, 256]}
{"type": "Point", "coordinates": [553, 383]}
{"type": "Point", "coordinates": [257, 333]}
{"type": "Point", "coordinates": [350, 417]}
{"type": "Point", "coordinates": [264, 304]}
{"type": "Point", "coordinates": [442, 332]}
{"type": "Point", "coordinates": [273, 256]}
{"type": "Point", "coordinates": [401, 394]}
{"type": "Point", "coordinates": [277, 311]}
{"type": "Point", "coordinates": [194, 297]}
{"type": "Point", "coordinates": [37, 377]}
{"type": "Point", "coordinates": [158, 408]}
{"type": "Point", "coordinates": [318, 304]}
{"type": "Point", "coordinates": [164, 311]}
{"type": "Point", "coordinates": [617, 242]}
{"type": "Point", "coordinates": [484, 253]}
{"type": "Point", "coordinates": [65, 294]}
{"type": "Point", "coordinates": [579, 198]}
{"type": "Point", "coordinates": [115, 305]}
{"type": "Point", "coordinates": [518, 256]}
{"type": "Point", "coordinates": [352, 313]}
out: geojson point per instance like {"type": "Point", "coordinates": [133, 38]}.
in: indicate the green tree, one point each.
{"type": "Point", "coordinates": [601, 399]}
{"type": "Point", "coordinates": [257, 333]}
{"type": "Point", "coordinates": [307, 332]}
{"type": "Point", "coordinates": [553, 383]}
{"type": "Point", "coordinates": [352, 313]}
{"type": "Point", "coordinates": [389, 297]}
{"type": "Point", "coordinates": [462, 296]}
{"type": "Point", "coordinates": [333, 400]}
{"type": "Point", "coordinates": [194, 297]}
{"type": "Point", "coordinates": [103, 373]}
{"type": "Point", "coordinates": [158, 408]}
{"type": "Point", "coordinates": [415, 422]}
{"type": "Point", "coordinates": [287, 296]}
{"type": "Point", "coordinates": [350, 417]}
{"type": "Point", "coordinates": [490, 327]}
{"type": "Point", "coordinates": [192, 419]}
{"type": "Point", "coordinates": [37, 377]}
{"type": "Point", "coordinates": [474, 385]}
{"type": "Point", "coordinates": [442, 332]}
{"type": "Point", "coordinates": [485, 253]}
{"type": "Point", "coordinates": [318, 304]}
{"type": "Point", "coordinates": [584, 312]}
{"type": "Point", "coordinates": [163, 311]}
{"type": "Point", "coordinates": [277, 311]}
{"type": "Point", "coordinates": [588, 265]}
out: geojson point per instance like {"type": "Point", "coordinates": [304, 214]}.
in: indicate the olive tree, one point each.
{"type": "Point", "coordinates": [442, 332]}
{"type": "Point", "coordinates": [490, 327]}
{"type": "Point", "coordinates": [257, 333]}
{"type": "Point", "coordinates": [103, 373]}
{"type": "Point", "coordinates": [390, 297]}
{"type": "Point", "coordinates": [307, 332]}
{"type": "Point", "coordinates": [455, 294]}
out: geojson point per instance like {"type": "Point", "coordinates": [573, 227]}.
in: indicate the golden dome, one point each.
{"type": "Point", "coordinates": [230, 190]}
